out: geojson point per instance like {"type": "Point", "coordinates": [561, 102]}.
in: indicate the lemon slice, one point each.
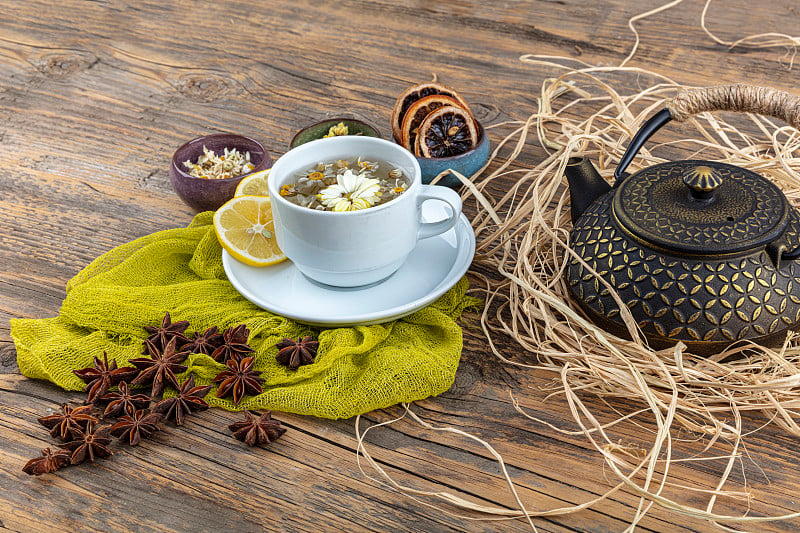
{"type": "Point", "coordinates": [245, 228]}
{"type": "Point", "coordinates": [253, 185]}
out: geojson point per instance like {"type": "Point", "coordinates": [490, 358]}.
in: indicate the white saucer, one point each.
{"type": "Point", "coordinates": [435, 265]}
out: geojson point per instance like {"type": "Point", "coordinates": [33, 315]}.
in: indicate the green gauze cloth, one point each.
{"type": "Point", "coordinates": [357, 369]}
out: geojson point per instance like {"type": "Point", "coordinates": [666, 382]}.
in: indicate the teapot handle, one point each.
{"type": "Point", "coordinates": [738, 97]}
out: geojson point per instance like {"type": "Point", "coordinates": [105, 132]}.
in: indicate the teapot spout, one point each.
{"type": "Point", "coordinates": [585, 185]}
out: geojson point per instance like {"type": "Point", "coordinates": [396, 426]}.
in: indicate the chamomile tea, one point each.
{"type": "Point", "coordinates": [346, 185]}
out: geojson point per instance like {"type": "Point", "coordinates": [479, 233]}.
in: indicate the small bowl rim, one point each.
{"type": "Point", "coordinates": [333, 120]}
{"type": "Point", "coordinates": [482, 138]}
{"type": "Point", "coordinates": [258, 168]}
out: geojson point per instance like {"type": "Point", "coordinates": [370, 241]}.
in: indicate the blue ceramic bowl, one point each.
{"type": "Point", "coordinates": [319, 129]}
{"type": "Point", "coordinates": [467, 163]}
{"type": "Point", "coordinates": [209, 194]}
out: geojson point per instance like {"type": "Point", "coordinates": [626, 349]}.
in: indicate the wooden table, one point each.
{"type": "Point", "coordinates": [94, 98]}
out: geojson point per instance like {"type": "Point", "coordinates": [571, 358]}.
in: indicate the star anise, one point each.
{"type": "Point", "coordinates": [234, 344]}
{"type": "Point", "coordinates": [124, 402]}
{"type": "Point", "coordinates": [205, 342]}
{"type": "Point", "coordinates": [62, 423]}
{"type": "Point", "coordinates": [133, 428]}
{"type": "Point", "coordinates": [160, 336]}
{"type": "Point", "coordinates": [160, 367]}
{"type": "Point", "coordinates": [50, 461]}
{"type": "Point", "coordinates": [102, 376]}
{"type": "Point", "coordinates": [293, 353]}
{"type": "Point", "coordinates": [257, 430]}
{"type": "Point", "coordinates": [89, 443]}
{"type": "Point", "coordinates": [188, 400]}
{"type": "Point", "coordinates": [239, 379]}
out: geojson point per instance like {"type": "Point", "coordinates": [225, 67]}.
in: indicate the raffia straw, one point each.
{"type": "Point", "coordinates": [641, 16]}
{"type": "Point", "coordinates": [499, 513]}
{"type": "Point", "coordinates": [522, 238]}
{"type": "Point", "coordinates": [756, 41]}
{"type": "Point", "coordinates": [761, 40]}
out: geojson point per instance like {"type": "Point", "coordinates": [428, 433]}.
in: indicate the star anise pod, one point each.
{"type": "Point", "coordinates": [160, 336]}
{"type": "Point", "coordinates": [89, 443]}
{"type": "Point", "coordinates": [50, 461]}
{"type": "Point", "coordinates": [102, 376]}
{"type": "Point", "coordinates": [160, 367]}
{"type": "Point", "coordinates": [239, 379]}
{"type": "Point", "coordinates": [62, 423]}
{"type": "Point", "coordinates": [124, 402]}
{"type": "Point", "coordinates": [188, 400]}
{"type": "Point", "coordinates": [234, 344]}
{"type": "Point", "coordinates": [205, 342]}
{"type": "Point", "coordinates": [133, 428]}
{"type": "Point", "coordinates": [257, 430]}
{"type": "Point", "coordinates": [293, 353]}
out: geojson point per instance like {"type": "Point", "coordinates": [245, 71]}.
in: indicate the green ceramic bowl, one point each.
{"type": "Point", "coordinates": [319, 129]}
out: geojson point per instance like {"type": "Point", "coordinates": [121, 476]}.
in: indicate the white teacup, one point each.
{"type": "Point", "coordinates": [352, 248]}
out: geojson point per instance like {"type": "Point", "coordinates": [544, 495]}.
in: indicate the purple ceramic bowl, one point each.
{"type": "Point", "coordinates": [209, 194]}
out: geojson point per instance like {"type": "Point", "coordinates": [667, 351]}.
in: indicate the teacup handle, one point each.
{"type": "Point", "coordinates": [448, 196]}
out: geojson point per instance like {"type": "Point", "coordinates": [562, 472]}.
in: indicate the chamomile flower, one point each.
{"type": "Point", "coordinates": [366, 165]}
{"type": "Point", "coordinates": [351, 192]}
{"type": "Point", "coordinates": [338, 129]}
{"type": "Point", "coordinates": [288, 190]}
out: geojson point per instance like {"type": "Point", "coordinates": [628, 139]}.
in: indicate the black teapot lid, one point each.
{"type": "Point", "coordinates": [701, 207]}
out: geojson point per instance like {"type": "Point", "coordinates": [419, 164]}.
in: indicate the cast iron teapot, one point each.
{"type": "Point", "coordinates": [700, 252]}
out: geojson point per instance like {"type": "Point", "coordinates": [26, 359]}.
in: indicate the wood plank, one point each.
{"type": "Point", "coordinates": [197, 472]}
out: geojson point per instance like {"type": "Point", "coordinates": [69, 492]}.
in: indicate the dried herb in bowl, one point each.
{"type": "Point", "coordinates": [229, 164]}
{"type": "Point", "coordinates": [338, 129]}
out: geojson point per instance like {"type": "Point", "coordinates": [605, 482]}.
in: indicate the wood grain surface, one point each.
{"type": "Point", "coordinates": [94, 98]}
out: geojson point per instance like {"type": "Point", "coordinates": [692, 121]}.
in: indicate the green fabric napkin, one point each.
{"type": "Point", "coordinates": [357, 369]}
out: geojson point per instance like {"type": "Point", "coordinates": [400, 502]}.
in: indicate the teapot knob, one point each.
{"type": "Point", "coordinates": [702, 180]}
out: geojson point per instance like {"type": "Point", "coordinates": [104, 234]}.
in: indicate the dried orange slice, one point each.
{"type": "Point", "coordinates": [446, 132]}
{"type": "Point", "coordinates": [411, 95]}
{"type": "Point", "coordinates": [245, 228]}
{"type": "Point", "coordinates": [417, 112]}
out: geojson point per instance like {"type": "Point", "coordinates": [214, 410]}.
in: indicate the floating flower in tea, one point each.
{"type": "Point", "coordinates": [287, 190]}
{"type": "Point", "coordinates": [396, 190]}
{"type": "Point", "coordinates": [345, 185]}
{"type": "Point", "coordinates": [351, 192]}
